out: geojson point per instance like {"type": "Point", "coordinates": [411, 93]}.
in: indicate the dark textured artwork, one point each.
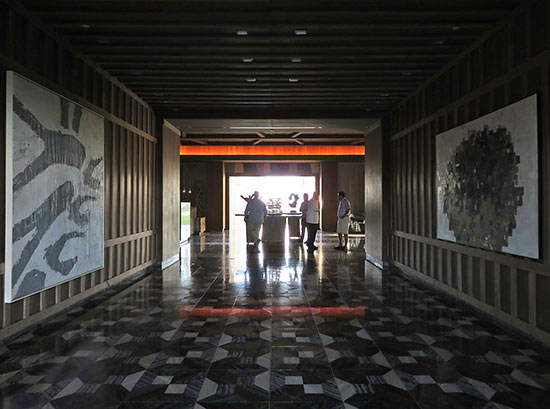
{"type": "Point", "coordinates": [481, 196]}
{"type": "Point", "coordinates": [55, 189]}
{"type": "Point", "coordinates": [487, 181]}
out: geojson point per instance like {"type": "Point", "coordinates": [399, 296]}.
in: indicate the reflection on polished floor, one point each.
{"type": "Point", "coordinates": [277, 329]}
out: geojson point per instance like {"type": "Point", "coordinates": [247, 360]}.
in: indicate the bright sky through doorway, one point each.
{"type": "Point", "coordinates": [270, 187]}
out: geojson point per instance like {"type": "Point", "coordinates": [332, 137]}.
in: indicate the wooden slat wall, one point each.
{"type": "Point", "coordinates": [351, 179]}
{"type": "Point", "coordinates": [508, 64]}
{"type": "Point", "coordinates": [29, 48]}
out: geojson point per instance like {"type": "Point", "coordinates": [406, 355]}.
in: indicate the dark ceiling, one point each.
{"type": "Point", "coordinates": [267, 59]}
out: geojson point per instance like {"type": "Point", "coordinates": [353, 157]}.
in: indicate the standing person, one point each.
{"type": "Point", "coordinates": [303, 210]}
{"type": "Point", "coordinates": [312, 220]}
{"type": "Point", "coordinates": [342, 227]}
{"type": "Point", "coordinates": [254, 215]}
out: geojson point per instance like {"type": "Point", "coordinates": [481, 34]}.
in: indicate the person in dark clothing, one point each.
{"type": "Point", "coordinates": [312, 220]}
{"type": "Point", "coordinates": [303, 210]}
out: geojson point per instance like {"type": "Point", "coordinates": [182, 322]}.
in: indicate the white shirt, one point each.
{"type": "Point", "coordinates": [312, 214]}
{"type": "Point", "coordinates": [256, 211]}
{"type": "Point", "coordinates": [343, 207]}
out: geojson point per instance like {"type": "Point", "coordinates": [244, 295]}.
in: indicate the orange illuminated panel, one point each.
{"type": "Point", "coordinates": [271, 150]}
{"type": "Point", "coordinates": [265, 313]}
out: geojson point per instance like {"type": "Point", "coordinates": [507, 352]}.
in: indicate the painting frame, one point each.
{"type": "Point", "coordinates": [86, 211]}
{"type": "Point", "coordinates": [501, 146]}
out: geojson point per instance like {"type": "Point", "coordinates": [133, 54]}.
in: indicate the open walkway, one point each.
{"type": "Point", "coordinates": [277, 329]}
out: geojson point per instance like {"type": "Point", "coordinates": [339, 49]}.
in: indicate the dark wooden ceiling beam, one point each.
{"type": "Point", "coordinates": [251, 50]}
{"type": "Point", "coordinates": [276, 56]}
{"type": "Point", "coordinates": [218, 76]}
{"type": "Point", "coordinates": [193, 28]}
{"type": "Point", "coordinates": [239, 81]}
{"type": "Point", "coordinates": [361, 95]}
{"type": "Point", "coordinates": [269, 40]}
{"type": "Point", "coordinates": [138, 66]}
{"type": "Point", "coordinates": [374, 85]}
{"type": "Point", "coordinates": [290, 104]}
{"type": "Point", "coordinates": [180, 13]}
{"type": "Point", "coordinates": [285, 98]}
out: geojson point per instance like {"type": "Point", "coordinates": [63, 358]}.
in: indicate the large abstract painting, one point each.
{"type": "Point", "coordinates": [487, 181]}
{"type": "Point", "coordinates": [54, 189]}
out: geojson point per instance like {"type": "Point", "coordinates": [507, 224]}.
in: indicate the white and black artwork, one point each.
{"type": "Point", "coordinates": [487, 181]}
{"type": "Point", "coordinates": [54, 189]}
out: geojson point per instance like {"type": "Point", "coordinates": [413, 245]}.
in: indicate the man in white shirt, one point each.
{"type": "Point", "coordinates": [254, 215]}
{"type": "Point", "coordinates": [312, 220]}
{"type": "Point", "coordinates": [342, 227]}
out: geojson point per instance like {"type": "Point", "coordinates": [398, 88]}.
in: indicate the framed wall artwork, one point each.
{"type": "Point", "coordinates": [488, 181]}
{"type": "Point", "coordinates": [54, 189]}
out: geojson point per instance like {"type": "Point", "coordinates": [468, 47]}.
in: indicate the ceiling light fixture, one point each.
{"type": "Point", "coordinates": [251, 80]}
{"type": "Point", "coordinates": [293, 80]}
{"type": "Point", "coordinates": [242, 32]}
{"type": "Point", "coordinates": [455, 28]}
{"type": "Point", "coordinates": [85, 26]}
{"type": "Point", "coordinates": [438, 42]}
{"type": "Point", "coordinates": [295, 60]}
{"type": "Point", "coordinates": [300, 32]}
{"type": "Point", "coordinates": [248, 59]}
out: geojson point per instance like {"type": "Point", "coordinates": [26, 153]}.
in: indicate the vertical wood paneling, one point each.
{"type": "Point", "coordinates": [129, 159]}
{"type": "Point", "coordinates": [511, 64]}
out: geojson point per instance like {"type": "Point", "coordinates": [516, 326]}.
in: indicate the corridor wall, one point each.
{"type": "Point", "coordinates": [36, 52]}
{"type": "Point", "coordinates": [510, 63]}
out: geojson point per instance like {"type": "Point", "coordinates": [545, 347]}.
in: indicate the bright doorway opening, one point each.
{"type": "Point", "coordinates": [273, 189]}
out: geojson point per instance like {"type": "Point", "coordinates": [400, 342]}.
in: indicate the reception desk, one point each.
{"type": "Point", "coordinates": [274, 228]}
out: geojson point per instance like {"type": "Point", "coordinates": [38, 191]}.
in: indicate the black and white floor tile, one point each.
{"type": "Point", "coordinates": [278, 329]}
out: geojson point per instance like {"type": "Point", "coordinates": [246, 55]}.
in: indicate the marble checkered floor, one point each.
{"type": "Point", "coordinates": [277, 329]}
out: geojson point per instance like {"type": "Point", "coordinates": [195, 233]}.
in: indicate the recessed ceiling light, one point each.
{"type": "Point", "coordinates": [438, 42]}
{"type": "Point", "coordinates": [164, 102]}
{"type": "Point", "coordinates": [249, 59]}
{"type": "Point", "coordinates": [455, 28]}
{"type": "Point", "coordinates": [293, 80]}
{"type": "Point", "coordinates": [251, 80]}
{"type": "Point", "coordinates": [295, 60]}
{"type": "Point", "coordinates": [300, 31]}
{"type": "Point", "coordinates": [242, 32]}
{"type": "Point", "coordinates": [158, 94]}
{"type": "Point", "coordinates": [85, 26]}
